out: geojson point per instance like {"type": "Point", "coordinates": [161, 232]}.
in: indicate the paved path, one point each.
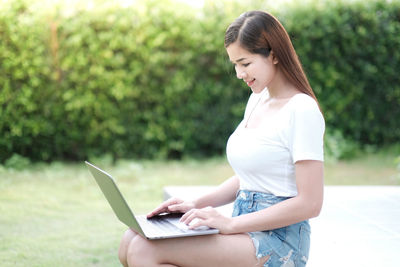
{"type": "Point", "coordinates": [359, 226]}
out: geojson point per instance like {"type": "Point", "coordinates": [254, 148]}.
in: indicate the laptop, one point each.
{"type": "Point", "coordinates": [158, 227]}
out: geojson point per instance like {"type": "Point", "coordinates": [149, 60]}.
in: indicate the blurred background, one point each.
{"type": "Point", "coordinates": [145, 89]}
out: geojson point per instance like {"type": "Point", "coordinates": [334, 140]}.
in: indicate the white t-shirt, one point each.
{"type": "Point", "coordinates": [263, 158]}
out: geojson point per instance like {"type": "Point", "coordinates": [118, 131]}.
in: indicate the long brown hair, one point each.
{"type": "Point", "coordinates": [260, 32]}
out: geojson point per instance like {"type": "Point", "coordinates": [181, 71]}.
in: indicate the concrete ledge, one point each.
{"type": "Point", "coordinates": [186, 192]}
{"type": "Point", "coordinates": [358, 225]}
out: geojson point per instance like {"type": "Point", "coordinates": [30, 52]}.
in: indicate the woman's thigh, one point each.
{"type": "Point", "coordinates": [211, 250]}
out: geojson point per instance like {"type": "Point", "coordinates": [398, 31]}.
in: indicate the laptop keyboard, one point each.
{"type": "Point", "coordinates": [157, 226]}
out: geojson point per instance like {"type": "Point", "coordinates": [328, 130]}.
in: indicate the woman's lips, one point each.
{"type": "Point", "coordinates": [250, 83]}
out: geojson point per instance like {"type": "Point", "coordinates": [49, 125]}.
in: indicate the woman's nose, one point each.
{"type": "Point", "coordinates": [240, 74]}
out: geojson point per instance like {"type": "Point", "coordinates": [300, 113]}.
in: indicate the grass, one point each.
{"type": "Point", "coordinates": [370, 169]}
{"type": "Point", "coordinates": [55, 215]}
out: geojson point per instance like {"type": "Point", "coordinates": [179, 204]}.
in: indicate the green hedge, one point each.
{"type": "Point", "coordinates": [352, 57]}
{"type": "Point", "coordinates": [153, 79]}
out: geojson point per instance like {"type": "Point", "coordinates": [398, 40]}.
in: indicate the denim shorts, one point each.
{"type": "Point", "coordinates": [287, 246]}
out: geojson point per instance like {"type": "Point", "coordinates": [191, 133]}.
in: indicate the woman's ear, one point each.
{"type": "Point", "coordinates": [274, 59]}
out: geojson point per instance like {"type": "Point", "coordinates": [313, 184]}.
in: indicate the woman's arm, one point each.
{"type": "Point", "coordinates": [225, 193]}
{"type": "Point", "coordinates": [307, 203]}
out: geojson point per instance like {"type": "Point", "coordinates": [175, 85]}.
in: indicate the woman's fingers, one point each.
{"type": "Point", "coordinates": [200, 214]}
{"type": "Point", "coordinates": [164, 207]}
{"type": "Point", "coordinates": [176, 208]}
{"type": "Point", "coordinates": [209, 217]}
{"type": "Point", "coordinates": [185, 216]}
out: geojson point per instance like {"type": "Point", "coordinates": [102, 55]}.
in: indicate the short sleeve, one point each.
{"type": "Point", "coordinates": [306, 131]}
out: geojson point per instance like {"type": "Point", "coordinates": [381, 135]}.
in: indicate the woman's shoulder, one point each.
{"type": "Point", "coordinates": [302, 98]}
{"type": "Point", "coordinates": [303, 101]}
{"type": "Point", "coordinates": [303, 107]}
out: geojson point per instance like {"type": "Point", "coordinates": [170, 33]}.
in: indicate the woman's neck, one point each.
{"type": "Point", "coordinates": [281, 88]}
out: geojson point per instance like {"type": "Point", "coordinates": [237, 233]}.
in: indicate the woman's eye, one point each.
{"type": "Point", "coordinates": [243, 65]}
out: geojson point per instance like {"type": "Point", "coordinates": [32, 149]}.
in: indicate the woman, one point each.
{"type": "Point", "coordinates": [277, 155]}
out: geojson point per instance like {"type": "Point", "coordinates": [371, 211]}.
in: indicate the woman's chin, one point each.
{"type": "Point", "coordinates": [256, 90]}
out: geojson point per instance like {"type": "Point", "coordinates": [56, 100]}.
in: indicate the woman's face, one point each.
{"type": "Point", "coordinates": [257, 71]}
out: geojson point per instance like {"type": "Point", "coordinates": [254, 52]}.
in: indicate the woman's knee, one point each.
{"type": "Point", "coordinates": [124, 245]}
{"type": "Point", "coordinates": [141, 252]}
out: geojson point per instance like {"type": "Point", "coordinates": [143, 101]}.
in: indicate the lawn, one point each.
{"type": "Point", "coordinates": [55, 215]}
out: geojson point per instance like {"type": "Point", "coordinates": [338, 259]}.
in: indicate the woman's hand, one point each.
{"type": "Point", "coordinates": [172, 205]}
{"type": "Point", "coordinates": [210, 217]}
